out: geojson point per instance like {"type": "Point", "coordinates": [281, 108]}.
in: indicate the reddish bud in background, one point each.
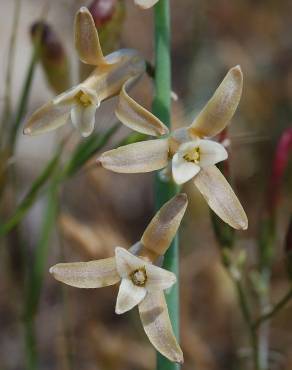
{"type": "Point", "coordinates": [288, 249]}
{"type": "Point", "coordinates": [102, 11]}
{"type": "Point", "coordinates": [52, 56]}
{"type": "Point", "coordinates": [280, 163]}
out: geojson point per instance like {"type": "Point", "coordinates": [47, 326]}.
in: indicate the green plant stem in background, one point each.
{"type": "Point", "coordinates": [277, 307]}
{"type": "Point", "coordinates": [36, 274]}
{"type": "Point", "coordinates": [10, 63]}
{"type": "Point", "coordinates": [165, 190]}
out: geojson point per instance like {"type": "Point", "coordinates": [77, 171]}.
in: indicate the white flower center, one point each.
{"type": "Point", "coordinates": [193, 155]}
{"type": "Point", "coordinates": [139, 276]}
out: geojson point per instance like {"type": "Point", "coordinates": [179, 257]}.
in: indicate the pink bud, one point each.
{"type": "Point", "coordinates": [280, 162]}
{"type": "Point", "coordinates": [102, 11]}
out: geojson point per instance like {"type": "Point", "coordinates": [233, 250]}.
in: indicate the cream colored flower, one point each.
{"type": "Point", "coordinates": [146, 4]}
{"type": "Point", "coordinates": [141, 281]}
{"type": "Point", "coordinates": [79, 104]}
{"type": "Point", "coordinates": [188, 150]}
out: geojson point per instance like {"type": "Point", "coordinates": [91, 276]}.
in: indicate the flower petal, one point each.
{"type": "Point", "coordinates": [129, 296]}
{"type": "Point", "coordinates": [145, 156]}
{"type": "Point", "coordinates": [86, 39]}
{"type": "Point", "coordinates": [93, 274]}
{"type": "Point", "coordinates": [211, 153]}
{"type": "Point", "coordinates": [158, 278]}
{"type": "Point", "coordinates": [134, 116]}
{"type": "Point", "coordinates": [164, 225]}
{"type": "Point", "coordinates": [220, 197]}
{"type": "Point", "coordinates": [83, 118]}
{"type": "Point", "coordinates": [145, 4]}
{"type": "Point", "coordinates": [47, 118]}
{"type": "Point", "coordinates": [127, 262]}
{"type": "Point", "coordinates": [220, 108]}
{"type": "Point", "coordinates": [156, 323]}
{"type": "Point", "coordinates": [182, 170]}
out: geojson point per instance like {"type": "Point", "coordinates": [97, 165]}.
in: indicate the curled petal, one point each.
{"type": "Point", "coordinates": [211, 153]}
{"type": "Point", "coordinates": [93, 274]}
{"type": "Point", "coordinates": [220, 108]}
{"type": "Point", "coordinates": [145, 4]}
{"type": "Point", "coordinates": [182, 170]}
{"type": "Point", "coordinates": [47, 118]}
{"type": "Point", "coordinates": [156, 323]}
{"type": "Point", "coordinates": [145, 156]}
{"type": "Point", "coordinates": [86, 39]}
{"type": "Point", "coordinates": [220, 197]}
{"type": "Point", "coordinates": [129, 296]}
{"type": "Point", "coordinates": [134, 116]}
{"type": "Point", "coordinates": [164, 225]}
{"type": "Point", "coordinates": [83, 118]}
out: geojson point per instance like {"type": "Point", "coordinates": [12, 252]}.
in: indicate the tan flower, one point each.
{"type": "Point", "coordinates": [188, 150]}
{"type": "Point", "coordinates": [141, 281]}
{"type": "Point", "coordinates": [80, 103]}
{"type": "Point", "coordinates": [146, 4]}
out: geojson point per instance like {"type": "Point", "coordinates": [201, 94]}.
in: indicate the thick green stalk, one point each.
{"type": "Point", "coordinates": [165, 190]}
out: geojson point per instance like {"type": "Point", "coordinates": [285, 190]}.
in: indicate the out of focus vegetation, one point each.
{"type": "Point", "coordinates": [77, 211]}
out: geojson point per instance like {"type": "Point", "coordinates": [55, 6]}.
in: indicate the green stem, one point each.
{"type": "Point", "coordinates": [35, 281]}
{"type": "Point", "coordinates": [245, 309]}
{"type": "Point", "coordinates": [24, 95]}
{"type": "Point", "coordinates": [165, 190]}
{"type": "Point", "coordinates": [278, 306]}
{"type": "Point", "coordinates": [10, 64]}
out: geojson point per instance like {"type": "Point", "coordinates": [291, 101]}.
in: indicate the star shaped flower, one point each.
{"type": "Point", "coordinates": [188, 151]}
{"type": "Point", "coordinates": [142, 282]}
{"type": "Point", "coordinates": [80, 103]}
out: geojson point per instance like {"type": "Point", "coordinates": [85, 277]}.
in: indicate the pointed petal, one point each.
{"type": "Point", "coordinates": [145, 156]}
{"type": "Point", "coordinates": [83, 118]}
{"type": "Point", "coordinates": [182, 170]}
{"type": "Point", "coordinates": [211, 153]}
{"type": "Point", "coordinates": [86, 39]}
{"type": "Point", "coordinates": [129, 296]}
{"type": "Point", "coordinates": [220, 197]}
{"type": "Point", "coordinates": [156, 323]}
{"type": "Point", "coordinates": [134, 116]}
{"type": "Point", "coordinates": [67, 97]}
{"type": "Point", "coordinates": [127, 262]}
{"type": "Point", "coordinates": [164, 225]}
{"type": "Point", "coordinates": [158, 278]}
{"type": "Point", "coordinates": [93, 274]}
{"type": "Point", "coordinates": [145, 4]}
{"type": "Point", "coordinates": [220, 108]}
{"type": "Point", "coordinates": [47, 118]}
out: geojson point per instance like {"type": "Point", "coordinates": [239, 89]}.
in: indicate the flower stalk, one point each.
{"type": "Point", "coordinates": [165, 190]}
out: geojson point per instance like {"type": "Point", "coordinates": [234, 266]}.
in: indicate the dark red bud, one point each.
{"type": "Point", "coordinates": [280, 162]}
{"type": "Point", "coordinates": [102, 11]}
{"type": "Point", "coordinates": [50, 43]}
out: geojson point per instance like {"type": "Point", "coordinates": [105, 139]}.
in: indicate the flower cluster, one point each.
{"type": "Point", "coordinates": [187, 154]}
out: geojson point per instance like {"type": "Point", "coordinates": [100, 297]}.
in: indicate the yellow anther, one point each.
{"type": "Point", "coordinates": [83, 99]}
{"type": "Point", "coordinates": [193, 155]}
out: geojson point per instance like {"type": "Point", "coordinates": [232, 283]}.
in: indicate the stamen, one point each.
{"type": "Point", "coordinates": [193, 155]}
{"type": "Point", "coordinates": [139, 276]}
{"type": "Point", "coordinates": [83, 99]}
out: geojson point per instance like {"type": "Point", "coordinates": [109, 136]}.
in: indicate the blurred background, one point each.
{"type": "Point", "coordinates": [98, 210]}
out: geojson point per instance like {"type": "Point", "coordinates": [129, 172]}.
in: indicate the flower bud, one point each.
{"type": "Point", "coordinates": [288, 249]}
{"type": "Point", "coordinates": [280, 162]}
{"type": "Point", "coordinates": [52, 56]}
{"type": "Point", "coordinates": [102, 11]}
